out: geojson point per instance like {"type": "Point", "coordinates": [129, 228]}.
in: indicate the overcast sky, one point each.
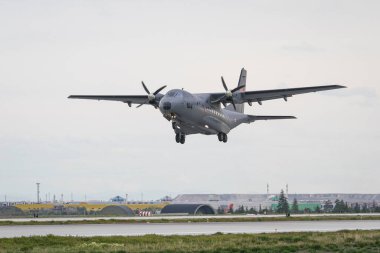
{"type": "Point", "coordinates": [51, 49]}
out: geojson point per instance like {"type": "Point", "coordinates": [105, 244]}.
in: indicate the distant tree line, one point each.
{"type": "Point", "coordinates": [243, 210]}
{"type": "Point", "coordinates": [283, 207]}
{"type": "Point", "coordinates": [343, 207]}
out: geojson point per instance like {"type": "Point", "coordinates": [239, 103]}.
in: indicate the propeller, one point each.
{"type": "Point", "coordinates": [151, 96]}
{"type": "Point", "coordinates": [228, 95]}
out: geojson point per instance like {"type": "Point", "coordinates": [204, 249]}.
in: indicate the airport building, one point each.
{"type": "Point", "coordinates": [270, 201]}
{"type": "Point", "coordinates": [191, 204]}
{"type": "Point", "coordinates": [188, 209]}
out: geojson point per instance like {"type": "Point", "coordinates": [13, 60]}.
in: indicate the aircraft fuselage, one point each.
{"type": "Point", "coordinates": [193, 113]}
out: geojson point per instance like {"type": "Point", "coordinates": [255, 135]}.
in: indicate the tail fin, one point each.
{"type": "Point", "coordinates": [242, 81]}
{"type": "Point", "coordinates": [242, 78]}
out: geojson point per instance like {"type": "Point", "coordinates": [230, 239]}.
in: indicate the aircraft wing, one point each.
{"type": "Point", "coordinates": [258, 96]}
{"type": "Point", "coordinates": [138, 99]}
{"type": "Point", "coordinates": [262, 95]}
{"type": "Point", "coordinates": [253, 118]}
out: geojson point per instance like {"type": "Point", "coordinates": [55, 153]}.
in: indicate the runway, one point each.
{"type": "Point", "coordinates": [186, 228]}
{"type": "Point", "coordinates": [184, 217]}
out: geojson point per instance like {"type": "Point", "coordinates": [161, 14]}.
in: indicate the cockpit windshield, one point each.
{"type": "Point", "coordinates": [174, 93]}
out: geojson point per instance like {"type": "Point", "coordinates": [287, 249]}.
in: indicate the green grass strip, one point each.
{"type": "Point", "coordinates": [315, 242]}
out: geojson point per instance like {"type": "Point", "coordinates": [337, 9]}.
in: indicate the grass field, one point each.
{"type": "Point", "coordinates": [343, 241]}
{"type": "Point", "coordinates": [187, 220]}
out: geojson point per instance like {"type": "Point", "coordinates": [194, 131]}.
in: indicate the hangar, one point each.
{"type": "Point", "coordinates": [9, 211]}
{"type": "Point", "coordinates": [188, 209]}
{"type": "Point", "coordinates": [116, 210]}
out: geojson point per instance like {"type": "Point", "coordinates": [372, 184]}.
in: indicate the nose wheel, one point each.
{"type": "Point", "coordinates": [180, 138]}
{"type": "Point", "coordinates": [222, 137]}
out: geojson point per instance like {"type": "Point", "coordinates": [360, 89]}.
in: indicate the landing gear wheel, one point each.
{"type": "Point", "coordinates": [225, 138]}
{"type": "Point", "coordinates": [183, 138]}
{"type": "Point", "coordinates": [177, 137]}
{"type": "Point", "coordinates": [222, 137]}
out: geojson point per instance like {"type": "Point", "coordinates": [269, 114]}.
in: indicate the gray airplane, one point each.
{"type": "Point", "coordinates": [203, 113]}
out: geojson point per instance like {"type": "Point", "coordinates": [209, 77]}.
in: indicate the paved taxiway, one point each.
{"type": "Point", "coordinates": [185, 228]}
{"type": "Point", "coordinates": [181, 217]}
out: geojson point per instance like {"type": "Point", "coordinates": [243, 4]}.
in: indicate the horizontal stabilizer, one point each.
{"type": "Point", "coordinates": [252, 118]}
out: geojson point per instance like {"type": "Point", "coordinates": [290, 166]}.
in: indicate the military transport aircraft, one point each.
{"type": "Point", "coordinates": [203, 113]}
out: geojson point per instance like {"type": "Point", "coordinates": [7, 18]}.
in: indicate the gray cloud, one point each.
{"type": "Point", "coordinates": [301, 47]}
{"type": "Point", "coordinates": [364, 92]}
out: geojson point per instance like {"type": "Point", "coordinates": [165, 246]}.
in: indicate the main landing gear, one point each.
{"type": "Point", "coordinates": [180, 138]}
{"type": "Point", "coordinates": [222, 137]}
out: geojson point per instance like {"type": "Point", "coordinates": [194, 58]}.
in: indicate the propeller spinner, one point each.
{"type": "Point", "coordinates": [151, 96]}
{"type": "Point", "coordinates": [229, 94]}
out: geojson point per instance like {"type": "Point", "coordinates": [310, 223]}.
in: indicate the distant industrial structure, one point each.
{"type": "Point", "coordinates": [270, 201]}
{"type": "Point", "coordinates": [38, 193]}
{"type": "Point", "coordinates": [118, 199]}
{"type": "Point", "coordinates": [190, 204]}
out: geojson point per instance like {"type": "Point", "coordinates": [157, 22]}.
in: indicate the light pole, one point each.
{"type": "Point", "coordinates": [38, 193]}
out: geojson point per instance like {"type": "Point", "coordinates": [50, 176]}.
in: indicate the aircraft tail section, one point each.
{"type": "Point", "coordinates": [242, 81]}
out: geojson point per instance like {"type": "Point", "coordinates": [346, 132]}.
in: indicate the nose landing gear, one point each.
{"type": "Point", "coordinates": [222, 137]}
{"type": "Point", "coordinates": [180, 138]}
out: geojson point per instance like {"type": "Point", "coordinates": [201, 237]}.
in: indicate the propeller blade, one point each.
{"type": "Point", "coordinates": [139, 105]}
{"type": "Point", "coordinates": [237, 88]}
{"type": "Point", "coordinates": [160, 89]}
{"type": "Point", "coordinates": [145, 88]}
{"type": "Point", "coordinates": [233, 103]}
{"type": "Point", "coordinates": [228, 95]}
{"type": "Point", "coordinates": [224, 84]}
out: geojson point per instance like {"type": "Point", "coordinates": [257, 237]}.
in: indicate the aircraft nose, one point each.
{"type": "Point", "coordinates": [167, 106]}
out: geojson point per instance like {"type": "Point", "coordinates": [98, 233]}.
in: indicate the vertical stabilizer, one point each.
{"type": "Point", "coordinates": [242, 78]}
{"type": "Point", "coordinates": [242, 81]}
